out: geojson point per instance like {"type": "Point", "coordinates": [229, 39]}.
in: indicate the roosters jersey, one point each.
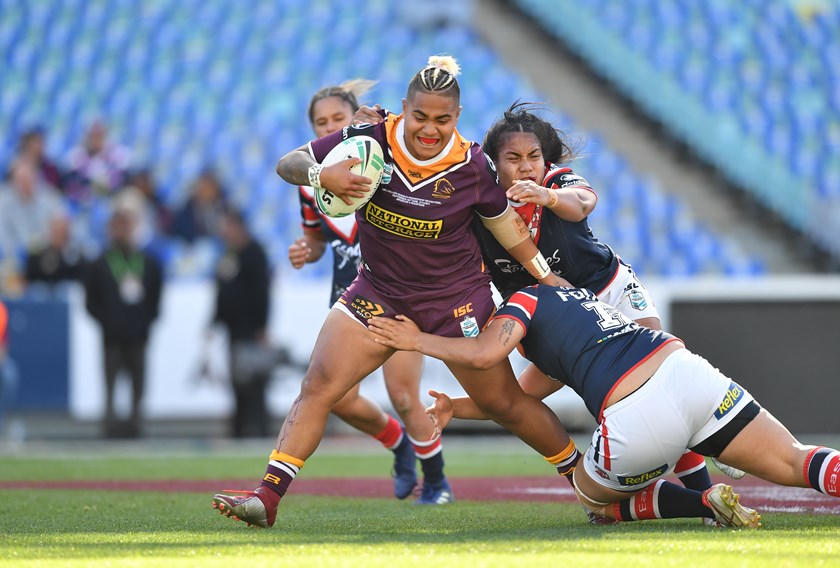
{"type": "Point", "coordinates": [574, 338]}
{"type": "Point", "coordinates": [415, 232]}
{"type": "Point", "coordinates": [570, 248]}
{"type": "Point", "coordinates": [341, 234]}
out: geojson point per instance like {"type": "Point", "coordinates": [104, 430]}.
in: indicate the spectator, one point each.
{"type": "Point", "coordinates": [122, 289]}
{"type": "Point", "coordinates": [26, 208]}
{"type": "Point", "coordinates": [201, 215]}
{"type": "Point", "coordinates": [156, 218]}
{"type": "Point", "coordinates": [242, 304]}
{"type": "Point", "coordinates": [32, 147]}
{"type": "Point", "coordinates": [98, 167]}
{"type": "Point", "coordinates": [57, 260]}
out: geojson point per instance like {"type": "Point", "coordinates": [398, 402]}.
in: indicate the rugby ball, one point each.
{"type": "Point", "coordinates": [373, 166]}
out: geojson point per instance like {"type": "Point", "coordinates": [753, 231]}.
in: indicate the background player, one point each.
{"type": "Point", "coordinates": [652, 397]}
{"type": "Point", "coordinates": [432, 270]}
{"type": "Point", "coordinates": [331, 109]}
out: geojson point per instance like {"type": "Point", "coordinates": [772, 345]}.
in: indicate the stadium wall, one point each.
{"type": "Point", "coordinates": [778, 337]}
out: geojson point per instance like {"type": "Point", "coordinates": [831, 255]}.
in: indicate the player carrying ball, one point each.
{"type": "Point", "coordinates": [420, 258]}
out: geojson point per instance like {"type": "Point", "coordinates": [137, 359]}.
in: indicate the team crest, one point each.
{"type": "Point", "coordinates": [443, 189]}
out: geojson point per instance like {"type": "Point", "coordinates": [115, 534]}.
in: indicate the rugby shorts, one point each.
{"type": "Point", "coordinates": [450, 313]}
{"type": "Point", "coordinates": [641, 437]}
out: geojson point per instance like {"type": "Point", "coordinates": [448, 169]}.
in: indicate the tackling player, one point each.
{"type": "Point", "coordinates": [555, 203]}
{"type": "Point", "coordinates": [653, 399]}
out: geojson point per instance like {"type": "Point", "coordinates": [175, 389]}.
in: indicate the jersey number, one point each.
{"type": "Point", "coordinates": [608, 316]}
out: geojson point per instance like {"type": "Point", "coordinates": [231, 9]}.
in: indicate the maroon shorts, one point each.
{"type": "Point", "coordinates": [450, 313]}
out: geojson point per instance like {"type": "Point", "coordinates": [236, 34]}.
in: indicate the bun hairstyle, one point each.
{"type": "Point", "coordinates": [348, 91]}
{"type": "Point", "coordinates": [438, 77]}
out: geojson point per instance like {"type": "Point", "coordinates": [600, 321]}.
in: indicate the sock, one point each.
{"type": "Point", "coordinates": [392, 435]}
{"type": "Point", "coordinates": [692, 471]}
{"type": "Point", "coordinates": [662, 500]}
{"type": "Point", "coordinates": [431, 459]}
{"type": "Point", "coordinates": [822, 470]}
{"type": "Point", "coordinates": [282, 469]}
{"type": "Point", "coordinates": [565, 461]}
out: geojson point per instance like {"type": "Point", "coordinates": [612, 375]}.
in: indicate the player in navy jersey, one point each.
{"type": "Point", "coordinates": [421, 258]}
{"type": "Point", "coordinates": [331, 109]}
{"type": "Point", "coordinates": [555, 203]}
{"type": "Point", "coordinates": [652, 398]}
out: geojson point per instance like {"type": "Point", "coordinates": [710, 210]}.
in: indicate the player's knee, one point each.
{"type": "Point", "coordinates": [403, 402]}
{"type": "Point", "coordinates": [596, 507]}
{"type": "Point", "coordinates": [498, 408]}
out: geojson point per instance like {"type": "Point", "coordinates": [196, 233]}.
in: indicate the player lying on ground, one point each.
{"type": "Point", "coordinates": [652, 398]}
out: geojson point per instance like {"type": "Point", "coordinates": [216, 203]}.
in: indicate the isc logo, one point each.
{"type": "Point", "coordinates": [462, 310]}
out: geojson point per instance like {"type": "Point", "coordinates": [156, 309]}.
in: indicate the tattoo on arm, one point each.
{"type": "Point", "coordinates": [295, 167]}
{"type": "Point", "coordinates": [507, 330]}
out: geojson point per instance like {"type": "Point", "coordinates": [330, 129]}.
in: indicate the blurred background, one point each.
{"type": "Point", "coordinates": [710, 130]}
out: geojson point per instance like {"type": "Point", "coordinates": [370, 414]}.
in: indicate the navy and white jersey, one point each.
{"type": "Point", "coordinates": [341, 234]}
{"type": "Point", "coordinates": [574, 338]}
{"type": "Point", "coordinates": [570, 248]}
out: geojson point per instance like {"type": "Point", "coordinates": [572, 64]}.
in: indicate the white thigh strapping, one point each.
{"type": "Point", "coordinates": [642, 437]}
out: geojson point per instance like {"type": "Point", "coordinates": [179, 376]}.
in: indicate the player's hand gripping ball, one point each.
{"type": "Point", "coordinates": [373, 166]}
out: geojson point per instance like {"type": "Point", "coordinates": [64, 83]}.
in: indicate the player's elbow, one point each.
{"type": "Point", "coordinates": [485, 359]}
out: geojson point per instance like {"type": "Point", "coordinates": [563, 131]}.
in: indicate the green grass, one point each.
{"type": "Point", "coordinates": [109, 528]}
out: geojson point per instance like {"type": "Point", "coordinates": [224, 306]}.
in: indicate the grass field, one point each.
{"type": "Point", "coordinates": [61, 527]}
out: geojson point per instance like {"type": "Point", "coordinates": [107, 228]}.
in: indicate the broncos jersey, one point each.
{"type": "Point", "coordinates": [415, 232]}
{"type": "Point", "coordinates": [570, 248]}
{"type": "Point", "coordinates": [342, 236]}
{"type": "Point", "coordinates": [574, 338]}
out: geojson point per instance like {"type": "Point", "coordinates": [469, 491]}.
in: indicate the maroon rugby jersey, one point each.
{"type": "Point", "coordinates": [415, 233]}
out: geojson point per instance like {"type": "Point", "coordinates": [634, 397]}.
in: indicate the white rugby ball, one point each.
{"type": "Point", "coordinates": [373, 166]}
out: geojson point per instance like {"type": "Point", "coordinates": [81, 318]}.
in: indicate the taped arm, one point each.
{"type": "Point", "coordinates": [512, 234]}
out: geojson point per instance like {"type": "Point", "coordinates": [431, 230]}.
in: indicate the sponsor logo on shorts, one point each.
{"type": "Point", "coordinates": [401, 225]}
{"type": "Point", "coordinates": [366, 308]}
{"type": "Point", "coordinates": [637, 300]}
{"type": "Point", "coordinates": [443, 189]}
{"type": "Point", "coordinates": [733, 394]}
{"type": "Point", "coordinates": [462, 310]}
{"type": "Point", "coordinates": [630, 481]}
{"type": "Point", "coordinates": [469, 327]}
{"type": "Point", "coordinates": [601, 472]}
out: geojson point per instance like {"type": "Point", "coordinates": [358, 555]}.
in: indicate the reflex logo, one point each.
{"type": "Point", "coordinates": [629, 481]}
{"type": "Point", "coordinates": [733, 394]}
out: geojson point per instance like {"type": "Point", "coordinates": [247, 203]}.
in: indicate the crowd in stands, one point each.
{"type": "Point", "coordinates": [54, 213]}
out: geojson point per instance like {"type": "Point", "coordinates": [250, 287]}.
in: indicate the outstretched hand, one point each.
{"type": "Point", "coordinates": [367, 115]}
{"type": "Point", "coordinates": [299, 253]}
{"type": "Point", "coordinates": [400, 333]}
{"type": "Point", "coordinates": [440, 412]}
